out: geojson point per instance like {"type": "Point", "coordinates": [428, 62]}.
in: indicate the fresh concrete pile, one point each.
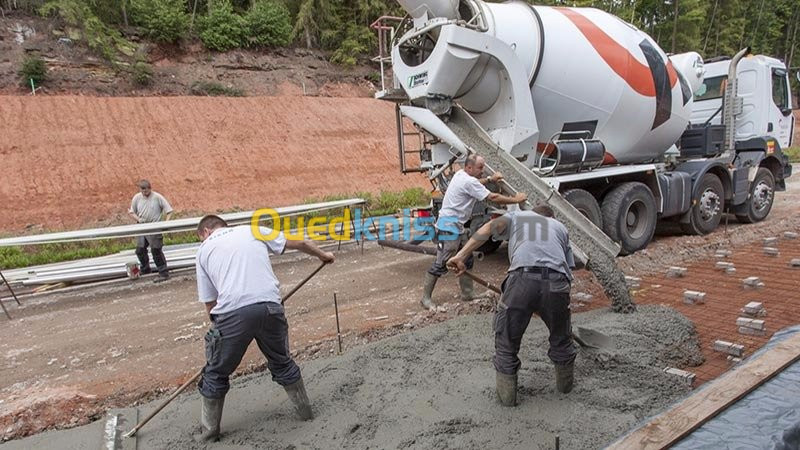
{"type": "Point", "coordinates": [434, 388]}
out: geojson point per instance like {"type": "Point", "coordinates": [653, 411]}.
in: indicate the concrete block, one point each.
{"type": "Point", "coordinates": [729, 348]}
{"type": "Point", "coordinates": [752, 332]}
{"type": "Point", "coordinates": [686, 375]}
{"type": "Point", "coordinates": [694, 297]}
{"type": "Point", "coordinates": [720, 254]}
{"type": "Point", "coordinates": [752, 283]}
{"type": "Point", "coordinates": [795, 262]}
{"type": "Point", "coordinates": [747, 322]}
{"type": "Point", "coordinates": [722, 265]}
{"type": "Point", "coordinates": [770, 241]}
{"type": "Point", "coordinates": [734, 360]}
{"type": "Point", "coordinates": [790, 235]}
{"type": "Point", "coordinates": [633, 282]}
{"type": "Point", "coordinates": [582, 297]}
{"type": "Point", "coordinates": [771, 251]}
{"type": "Point", "coordinates": [677, 272]}
{"type": "Point", "coordinates": [754, 309]}
{"type": "Point", "coordinates": [730, 270]}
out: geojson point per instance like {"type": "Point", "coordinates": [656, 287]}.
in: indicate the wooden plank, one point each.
{"type": "Point", "coordinates": [688, 415]}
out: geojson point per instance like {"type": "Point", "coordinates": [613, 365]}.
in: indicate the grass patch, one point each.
{"type": "Point", "coordinates": [33, 255]}
{"type": "Point", "coordinates": [793, 153]}
{"type": "Point", "coordinates": [214, 89]}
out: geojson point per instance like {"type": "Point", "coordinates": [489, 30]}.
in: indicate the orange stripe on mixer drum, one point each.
{"type": "Point", "coordinates": [638, 76]}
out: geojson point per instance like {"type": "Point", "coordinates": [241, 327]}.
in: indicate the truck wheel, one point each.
{"type": "Point", "coordinates": [762, 193]}
{"type": "Point", "coordinates": [707, 208]}
{"type": "Point", "coordinates": [489, 247]}
{"type": "Point", "coordinates": [629, 216]}
{"type": "Point", "coordinates": [585, 202]}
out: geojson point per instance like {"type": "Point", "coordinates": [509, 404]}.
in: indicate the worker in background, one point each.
{"type": "Point", "coordinates": [538, 282]}
{"type": "Point", "coordinates": [236, 283]}
{"type": "Point", "coordinates": [149, 206]}
{"type": "Point", "coordinates": [465, 188]}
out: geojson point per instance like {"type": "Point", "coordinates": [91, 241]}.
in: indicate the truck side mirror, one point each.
{"type": "Point", "coordinates": [786, 112]}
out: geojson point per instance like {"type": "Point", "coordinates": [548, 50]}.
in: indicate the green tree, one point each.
{"type": "Point", "coordinates": [269, 24]}
{"type": "Point", "coordinates": [162, 20]}
{"type": "Point", "coordinates": [100, 36]}
{"type": "Point", "coordinates": [222, 29]}
{"type": "Point", "coordinates": [310, 20]}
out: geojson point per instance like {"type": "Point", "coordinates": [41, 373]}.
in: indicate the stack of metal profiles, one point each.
{"type": "Point", "coordinates": [114, 266]}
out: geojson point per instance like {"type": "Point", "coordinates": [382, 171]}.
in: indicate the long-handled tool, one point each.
{"type": "Point", "coordinates": [200, 372]}
{"type": "Point", "coordinates": [586, 338]}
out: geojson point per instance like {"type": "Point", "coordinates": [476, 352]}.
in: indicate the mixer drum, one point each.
{"type": "Point", "coordinates": [590, 70]}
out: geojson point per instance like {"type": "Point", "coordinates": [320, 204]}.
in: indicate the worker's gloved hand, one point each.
{"type": "Point", "coordinates": [521, 197]}
{"type": "Point", "coordinates": [327, 257]}
{"type": "Point", "coordinates": [497, 176]}
{"type": "Point", "coordinates": [456, 265]}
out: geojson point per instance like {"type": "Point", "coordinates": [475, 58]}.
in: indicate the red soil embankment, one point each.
{"type": "Point", "coordinates": [72, 161]}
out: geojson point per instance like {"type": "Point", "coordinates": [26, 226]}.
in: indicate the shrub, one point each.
{"type": "Point", "coordinates": [269, 24]}
{"type": "Point", "coordinates": [142, 73]}
{"type": "Point", "coordinates": [222, 29]}
{"type": "Point", "coordinates": [358, 40]}
{"type": "Point", "coordinates": [213, 89]}
{"type": "Point", "coordinates": [162, 20]}
{"type": "Point", "coordinates": [100, 37]}
{"type": "Point", "coordinates": [33, 68]}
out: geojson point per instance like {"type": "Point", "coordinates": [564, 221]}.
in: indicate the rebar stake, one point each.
{"type": "Point", "coordinates": [338, 331]}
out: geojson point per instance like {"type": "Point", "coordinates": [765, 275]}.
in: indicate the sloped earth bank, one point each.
{"type": "Point", "coordinates": [74, 161]}
{"type": "Point", "coordinates": [434, 388]}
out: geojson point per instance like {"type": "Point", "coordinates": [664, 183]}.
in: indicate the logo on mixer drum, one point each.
{"type": "Point", "coordinates": [418, 79]}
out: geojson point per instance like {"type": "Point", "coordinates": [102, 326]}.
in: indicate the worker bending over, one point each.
{"type": "Point", "coordinates": [465, 188]}
{"type": "Point", "coordinates": [538, 281]}
{"type": "Point", "coordinates": [242, 296]}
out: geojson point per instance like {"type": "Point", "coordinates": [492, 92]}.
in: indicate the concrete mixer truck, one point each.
{"type": "Point", "coordinates": [592, 107]}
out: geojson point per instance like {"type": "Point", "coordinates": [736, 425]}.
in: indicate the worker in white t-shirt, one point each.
{"type": "Point", "coordinates": [236, 283]}
{"type": "Point", "coordinates": [465, 188]}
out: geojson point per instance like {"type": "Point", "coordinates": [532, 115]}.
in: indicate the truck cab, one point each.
{"type": "Point", "coordinates": [765, 93]}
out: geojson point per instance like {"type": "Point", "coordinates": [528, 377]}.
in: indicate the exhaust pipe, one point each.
{"type": "Point", "coordinates": [433, 8]}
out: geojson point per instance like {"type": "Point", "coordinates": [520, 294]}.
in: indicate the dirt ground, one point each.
{"type": "Point", "coordinates": [69, 356]}
{"type": "Point", "coordinates": [74, 70]}
{"type": "Point", "coordinates": [204, 154]}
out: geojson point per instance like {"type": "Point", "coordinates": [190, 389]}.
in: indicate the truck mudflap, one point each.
{"type": "Point", "coordinates": [766, 152]}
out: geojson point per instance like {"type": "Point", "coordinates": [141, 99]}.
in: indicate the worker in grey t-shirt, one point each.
{"type": "Point", "coordinates": [464, 189]}
{"type": "Point", "coordinates": [236, 283]}
{"type": "Point", "coordinates": [146, 207]}
{"type": "Point", "coordinates": [538, 282]}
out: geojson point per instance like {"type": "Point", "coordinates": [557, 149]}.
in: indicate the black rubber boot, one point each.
{"type": "Point", "coordinates": [144, 260]}
{"type": "Point", "coordinates": [467, 288]}
{"type": "Point", "coordinates": [210, 418]}
{"type": "Point", "coordinates": [427, 291]}
{"type": "Point", "coordinates": [297, 394]}
{"type": "Point", "coordinates": [507, 389]}
{"type": "Point", "coordinates": [161, 263]}
{"type": "Point", "coordinates": [565, 376]}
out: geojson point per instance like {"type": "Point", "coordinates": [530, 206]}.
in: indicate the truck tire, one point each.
{"type": "Point", "coordinates": [630, 215]}
{"type": "Point", "coordinates": [585, 202]}
{"type": "Point", "coordinates": [707, 207]}
{"type": "Point", "coordinates": [489, 247]}
{"type": "Point", "coordinates": [762, 194]}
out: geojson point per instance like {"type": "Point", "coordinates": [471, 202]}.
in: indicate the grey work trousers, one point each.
{"type": "Point", "coordinates": [229, 338]}
{"type": "Point", "coordinates": [448, 244]}
{"type": "Point", "coordinates": [546, 293]}
{"type": "Point", "coordinates": [156, 243]}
